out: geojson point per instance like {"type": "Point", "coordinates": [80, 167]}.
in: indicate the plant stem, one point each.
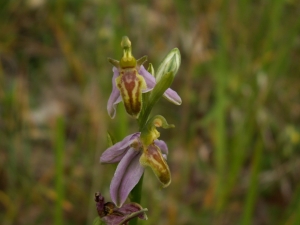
{"type": "Point", "coordinates": [137, 191]}
{"type": "Point", "coordinates": [136, 195]}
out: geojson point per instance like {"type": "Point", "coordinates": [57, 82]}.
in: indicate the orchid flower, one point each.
{"type": "Point", "coordinates": [112, 215]}
{"type": "Point", "coordinates": [130, 80]}
{"type": "Point", "coordinates": [135, 152]}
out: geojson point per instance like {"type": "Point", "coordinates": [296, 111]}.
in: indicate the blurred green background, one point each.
{"type": "Point", "coordinates": [235, 152]}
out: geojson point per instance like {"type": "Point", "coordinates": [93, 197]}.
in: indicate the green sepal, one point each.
{"type": "Point", "coordinates": [142, 60]}
{"type": "Point", "coordinates": [170, 63]}
{"type": "Point", "coordinates": [151, 69]}
{"type": "Point", "coordinates": [114, 62]}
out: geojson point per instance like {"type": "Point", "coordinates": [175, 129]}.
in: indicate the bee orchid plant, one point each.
{"type": "Point", "coordinates": [139, 90]}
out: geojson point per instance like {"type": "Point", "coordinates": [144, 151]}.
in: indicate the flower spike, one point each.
{"type": "Point", "coordinates": [142, 149]}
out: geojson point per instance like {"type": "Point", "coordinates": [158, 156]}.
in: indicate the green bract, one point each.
{"type": "Point", "coordinates": [157, 92]}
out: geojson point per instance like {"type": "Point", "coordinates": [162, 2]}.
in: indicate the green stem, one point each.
{"type": "Point", "coordinates": [136, 192]}
{"type": "Point", "coordinates": [136, 195]}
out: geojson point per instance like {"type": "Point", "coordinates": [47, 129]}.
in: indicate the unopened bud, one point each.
{"type": "Point", "coordinates": [170, 63]}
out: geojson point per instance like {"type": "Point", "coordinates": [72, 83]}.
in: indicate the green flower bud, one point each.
{"type": "Point", "coordinates": [170, 63]}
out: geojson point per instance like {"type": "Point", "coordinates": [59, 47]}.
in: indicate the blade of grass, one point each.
{"type": "Point", "coordinates": [59, 144]}
{"type": "Point", "coordinates": [220, 79]}
{"type": "Point", "coordinates": [241, 141]}
{"type": "Point", "coordinates": [294, 218]}
{"type": "Point", "coordinates": [253, 186]}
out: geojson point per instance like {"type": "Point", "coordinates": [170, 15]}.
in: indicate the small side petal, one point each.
{"type": "Point", "coordinates": [172, 96]}
{"type": "Point", "coordinates": [114, 97]}
{"type": "Point", "coordinates": [127, 175]}
{"type": "Point", "coordinates": [116, 152]}
{"type": "Point", "coordinates": [150, 80]}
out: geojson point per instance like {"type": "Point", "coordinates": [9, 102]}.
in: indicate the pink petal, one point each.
{"type": "Point", "coordinates": [114, 97]}
{"type": "Point", "coordinates": [172, 96]}
{"type": "Point", "coordinates": [162, 145]}
{"type": "Point", "coordinates": [127, 175]}
{"type": "Point", "coordinates": [116, 152]}
{"type": "Point", "coordinates": [150, 80]}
